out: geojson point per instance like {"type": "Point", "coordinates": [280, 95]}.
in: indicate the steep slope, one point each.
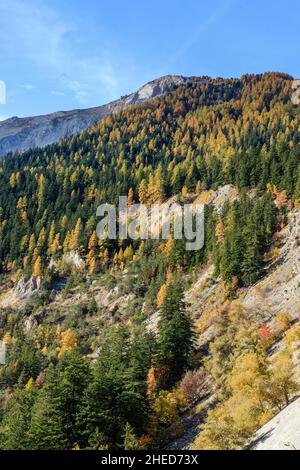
{"type": "Point", "coordinates": [279, 290]}
{"type": "Point", "coordinates": [282, 432]}
{"type": "Point", "coordinates": [266, 300]}
{"type": "Point", "coordinates": [19, 134]}
{"type": "Point", "coordinates": [230, 144]}
{"type": "Point", "coordinates": [276, 292]}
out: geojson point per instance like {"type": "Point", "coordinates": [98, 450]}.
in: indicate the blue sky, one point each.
{"type": "Point", "coordinates": [65, 54]}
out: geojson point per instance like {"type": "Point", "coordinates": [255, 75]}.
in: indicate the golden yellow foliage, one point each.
{"type": "Point", "coordinates": [161, 295]}
{"type": "Point", "coordinates": [283, 321]}
{"type": "Point", "coordinates": [37, 267]}
{"type": "Point", "coordinates": [68, 341]}
{"type": "Point", "coordinates": [30, 385]}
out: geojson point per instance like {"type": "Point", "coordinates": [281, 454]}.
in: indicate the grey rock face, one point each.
{"type": "Point", "coordinates": [2, 353]}
{"type": "Point", "coordinates": [30, 323]}
{"type": "Point", "coordinates": [72, 258]}
{"type": "Point", "coordinates": [26, 288]}
{"type": "Point", "coordinates": [296, 92]}
{"type": "Point", "coordinates": [20, 134]}
{"type": "Point", "coordinates": [282, 432]}
{"type": "Point", "coordinates": [34, 320]}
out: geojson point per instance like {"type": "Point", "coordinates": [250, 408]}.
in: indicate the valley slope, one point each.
{"type": "Point", "coordinates": [125, 343]}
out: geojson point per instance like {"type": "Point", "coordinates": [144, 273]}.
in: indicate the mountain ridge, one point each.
{"type": "Point", "coordinates": [21, 134]}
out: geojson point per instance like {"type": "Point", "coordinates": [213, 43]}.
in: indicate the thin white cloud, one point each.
{"type": "Point", "coordinates": [36, 29]}
{"type": "Point", "coordinates": [32, 31]}
{"type": "Point", "coordinates": [79, 89]}
{"type": "Point", "coordinates": [27, 86]}
{"type": "Point", "coordinates": [57, 93]}
{"type": "Point", "coordinates": [3, 118]}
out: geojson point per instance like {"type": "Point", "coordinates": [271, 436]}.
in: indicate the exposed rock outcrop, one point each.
{"type": "Point", "coordinates": [112, 300]}
{"type": "Point", "coordinates": [34, 320]}
{"type": "Point", "coordinates": [282, 432]}
{"type": "Point", "coordinates": [279, 290]}
{"type": "Point", "coordinates": [73, 258]}
{"type": "Point", "coordinates": [27, 287]}
{"type": "Point", "coordinates": [2, 353]}
{"type": "Point", "coordinates": [19, 134]}
{"type": "Point", "coordinates": [296, 92]}
{"type": "Point", "coordinates": [18, 296]}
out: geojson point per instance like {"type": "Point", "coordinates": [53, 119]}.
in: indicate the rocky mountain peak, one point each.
{"type": "Point", "coordinates": [20, 134]}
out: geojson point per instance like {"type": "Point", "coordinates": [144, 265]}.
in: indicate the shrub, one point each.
{"type": "Point", "coordinates": [194, 385]}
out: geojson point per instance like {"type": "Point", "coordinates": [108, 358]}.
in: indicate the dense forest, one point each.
{"type": "Point", "coordinates": [200, 136]}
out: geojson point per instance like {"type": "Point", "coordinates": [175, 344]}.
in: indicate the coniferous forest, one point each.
{"type": "Point", "coordinates": [109, 353]}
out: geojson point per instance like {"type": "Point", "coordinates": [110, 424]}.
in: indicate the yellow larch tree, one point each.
{"type": "Point", "coordinates": [37, 267]}
{"type": "Point", "coordinates": [75, 235]}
